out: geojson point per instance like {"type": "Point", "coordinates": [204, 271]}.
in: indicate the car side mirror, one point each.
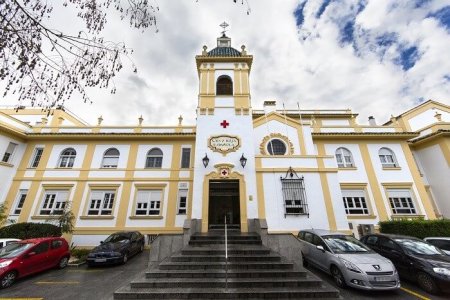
{"type": "Point", "coordinates": [320, 247]}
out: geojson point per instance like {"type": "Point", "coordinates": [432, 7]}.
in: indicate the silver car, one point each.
{"type": "Point", "coordinates": [350, 262]}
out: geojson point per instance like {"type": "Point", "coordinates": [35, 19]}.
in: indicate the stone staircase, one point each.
{"type": "Point", "coordinates": [253, 272]}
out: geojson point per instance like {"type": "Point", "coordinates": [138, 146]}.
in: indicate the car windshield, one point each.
{"type": "Point", "coordinates": [116, 237]}
{"type": "Point", "coordinates": [15, 249]}
{"type": "Point", "coordinates": [419, 247]}
{"type": "Point", "coordinates": [345, 244]}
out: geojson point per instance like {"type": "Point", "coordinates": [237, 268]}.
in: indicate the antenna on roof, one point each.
{"type": "Point", "coordinates": [224, 25]}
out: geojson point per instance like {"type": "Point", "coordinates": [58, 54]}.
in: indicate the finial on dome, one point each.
{"type": "Point", "coordinates": [243, 52]}
{"type": "Point", "coordinates": [204, 52]}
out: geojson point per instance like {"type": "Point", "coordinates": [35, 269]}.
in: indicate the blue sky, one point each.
{"type": "Point", "coordinates": [377, 57]}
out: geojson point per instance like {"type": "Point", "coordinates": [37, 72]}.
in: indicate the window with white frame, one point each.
{"type": "Point", "coordinates": [148, 202]}
{"type": "Point", "coordinates": [344, 158]}
{"type": "Point", "coordinates": [20, 201]}
{"type": "Point", "coordinates": [387, 158]}
{"type": "Point", "coordinates": [7, 157]}
{"type": "Point", "coordinates": [401, 202]}
{"type": "Point", "coordinates": [182, 198]}
{"type": "Point", "coordinates": [101, 203]}
{"type": "Point", "coordinates": [37, 154]}
{"type": "Point", "coordinates": [67, 158]}
{"type": "Point", "coordinates": [185, 157]}
{"type": "Point", "coordinates": [355, 202]}
{"type": "Point", "coordinates": [54, 202]}
{"type": "Point", "coordinates": [111, 158]}
{"type": "Point", "coordinates": [154, 158]}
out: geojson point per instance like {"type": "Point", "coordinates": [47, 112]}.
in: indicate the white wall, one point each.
{"type": "Point", "coordinates": [8, 172]}
{"type": "Point", "coordinates": [427, 118]}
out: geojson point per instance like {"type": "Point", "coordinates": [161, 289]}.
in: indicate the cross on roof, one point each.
{"type": "Point", "coordinates": [224, 25]}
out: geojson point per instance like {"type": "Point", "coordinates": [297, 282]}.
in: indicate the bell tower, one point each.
{"type": "Point", "coordinates": [224, 172]}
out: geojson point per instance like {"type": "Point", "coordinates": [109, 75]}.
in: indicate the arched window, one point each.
{"type": "Point", "coordinates": [387, 158]}
{"type": "Point", "coordinates": [67, 158]}
{"type": "Point", "coordinates": [276, 147]}
{"type": "Point", "coordinates": [224, 85]}
{"type": "Point", "coordinates": [154, 158]}
{"type": "Point", "coordinates": [111, 158]}
{"type": "Point", "coordinates": [344, 158]}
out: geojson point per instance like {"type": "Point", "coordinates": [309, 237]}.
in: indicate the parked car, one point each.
{"type": "Point", "coordinates": [5, 242]}
{"type": "Point", "coordinates": [350, 262]}
{"type": "Point", "coordinates": [32, 256]}
{"type": "Point", "coordinates": [117, 248]}
{"type": "Point", "coordinates": [442, 243]}
{"type": "Point", "coordinates": [415, 260]}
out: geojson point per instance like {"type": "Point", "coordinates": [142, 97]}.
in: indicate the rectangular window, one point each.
{"type": "Point", "coordinates": [7, 157]}
{"type": "Point", "coordinates": [401, 202]}
{"type": "Point", "coordinates": [355, 202]}
{"type": "Point", "coordinates": [182, 198]}
{"type": "Point", "coordinates": [36, 157]}
{"type": "Point", "coordinates": [101, 203]}
{"type": "Point", "coordinates": [20, 201]}
{"type": "Point", "coordinates": [54, 202]}
{"type": "Point", "coordinates": [185, 158]}
{"type": "Point", "coordinates": [294, 196]}
{"type": "Point", "coordinates": [148, 203]}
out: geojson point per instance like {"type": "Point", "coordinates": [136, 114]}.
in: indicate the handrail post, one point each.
{"type": "Point", "coordinates": [226, 255]}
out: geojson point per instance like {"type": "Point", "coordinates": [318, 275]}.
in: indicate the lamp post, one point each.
{"type": "Point", "coordinates": [205, 160]}
{"type": "Point", "coordinates": [243, 160]}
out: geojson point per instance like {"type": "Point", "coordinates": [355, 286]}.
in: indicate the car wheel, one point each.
{"type": "Point", "coordinates": [427, 283]}
{"type": "Point", "coordinates": [63, 262]}
{"type": "Point", "coordinates": [8, 279]}
{"type": "Point", "coordinates": [304, 261]}
{"type": "Point", "coordinates": [338, 277]}
{"type": "Point", "coordinates": [125, 258]}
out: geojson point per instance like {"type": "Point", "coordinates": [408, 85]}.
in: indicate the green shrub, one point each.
{"type": "Point", "coordinates": [417, 228]}
{"type": "Point", "coordinates": [79, 254]}
{"type": "Point", "coordinates": [29, 230]}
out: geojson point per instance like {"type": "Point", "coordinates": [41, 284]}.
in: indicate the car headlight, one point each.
{"type": "Point", "coordinates": [5, 264]}
{"type": "Point", "coordinates": [351, 266]}
{"type": "Point", "coordinates": [116, 254]}
{"type": "Point", "coordinates": [442, 271]}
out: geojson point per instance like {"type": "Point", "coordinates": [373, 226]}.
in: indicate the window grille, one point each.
{"type": "Point", "coordinates": [294, 194]}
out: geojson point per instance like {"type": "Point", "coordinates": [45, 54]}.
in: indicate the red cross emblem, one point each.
{"type": "Point", "coordinates": [224, 172]}
{"type": "Point", "coordinates": [224, 124]}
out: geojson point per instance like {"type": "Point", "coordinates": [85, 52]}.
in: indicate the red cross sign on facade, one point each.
{"type": "Point", "coordinates": [224, 124]}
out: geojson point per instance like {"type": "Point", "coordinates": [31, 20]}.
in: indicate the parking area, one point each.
{"type": "Point", "coordinates": [407, 291]}
{"type": "Point", "coordinates": [77, 282]}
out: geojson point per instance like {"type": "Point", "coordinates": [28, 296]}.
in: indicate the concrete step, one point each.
{"type": "Point", "coordinates": [231, 282]}
{"type": "Point", "coordinates": [231, 258]}
{"type": "Point", "coordinates": [221, 265]}
{"type": "Point", "coordinates": [203, 242]}
{"type": "Point", "coordinates": [221, 273]}
{"type": "Point", "coordinates": [323, 292]}
{"type": "Point", "coordinates": [221, 251]}
{"type": "Point", "coordinates": [229, 237]}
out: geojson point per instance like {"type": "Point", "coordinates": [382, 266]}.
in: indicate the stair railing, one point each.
{"type": "Point", "coordinates": [226, 254]}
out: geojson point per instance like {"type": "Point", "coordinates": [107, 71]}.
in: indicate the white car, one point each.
{"type": "Point", "coordinates": [442, 243]}
{"type": "Point", "coordinates": [4, 242]}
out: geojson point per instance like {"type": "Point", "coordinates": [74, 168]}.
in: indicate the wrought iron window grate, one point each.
{"type": "Point", "coordinates": [294, 194]}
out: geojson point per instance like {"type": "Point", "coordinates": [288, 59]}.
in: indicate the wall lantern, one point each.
{"type": "Point", "coordinates": [243, 160]}
{"type": "Point", "coordinates": [205, 160]}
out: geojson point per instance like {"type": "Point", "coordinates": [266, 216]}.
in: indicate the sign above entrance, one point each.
{"type": "Point", "coordinates": [224, 143]}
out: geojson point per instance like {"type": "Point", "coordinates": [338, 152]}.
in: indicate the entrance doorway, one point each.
{"type": "Point", "coordinates": [224, 202]}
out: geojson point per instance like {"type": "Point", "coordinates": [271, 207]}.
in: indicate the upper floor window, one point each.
{"type": "Point", "coordinates": [67, 158]}
{"type": "Point", "coordinates": [101, 203]}
{"type": "Point", "coordinates": [7, 157]}
{"type": "Point", "coordinates": [185, 157]}
{"type": "Point", "coordinates": [355, 202]}
{"type": "Point", "coordinates": [387, 158]}
{"type": "Point", "coordinates": [344, 158]}
{"type": "Point", "coordinates": [36, 157]}
{"type": "Point", "coordinates": [154, 158]}
{"type": "Point", "coordinates": [276, 147]}
{"type": "Point", "coordinates": [224, 85]}
{"type": "Point", "coordinates": [111, 158]}
{"type": "Point", "coordinates": [148, 202]}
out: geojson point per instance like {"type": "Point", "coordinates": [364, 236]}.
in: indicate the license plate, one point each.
{"type": "Point", "coordinates": [383, 278]}
{"type": "Point", "coordinates": [100, 260]}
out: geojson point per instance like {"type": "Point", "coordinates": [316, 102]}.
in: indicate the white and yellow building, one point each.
{"type": "Point", "coordinates": [296, 169]}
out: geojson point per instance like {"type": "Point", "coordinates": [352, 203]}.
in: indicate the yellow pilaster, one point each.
{"type": "Point", "coordinates": [326, 187]}
{"type": "Point", "coordinates": [260, 190]}
{"type": "Point", "coordinates": [173, 185]}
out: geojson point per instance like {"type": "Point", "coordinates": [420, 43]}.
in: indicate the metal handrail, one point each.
{"type": "Point", "coordinates": [226, 254]}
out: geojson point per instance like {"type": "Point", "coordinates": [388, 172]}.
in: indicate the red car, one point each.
{"type": "Point", "coordinates": [31, 256]}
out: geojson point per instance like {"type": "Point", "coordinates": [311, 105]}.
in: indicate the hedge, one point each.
{"type": "Point", "coordinates": [417, 228]}
{"type": "Point", "coordinates": [29, 230]}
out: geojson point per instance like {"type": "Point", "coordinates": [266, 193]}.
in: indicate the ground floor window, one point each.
{"type": "Point", "coordinates": [54, 202]}
{"type": "Point", "coordinates": [401, 202]}
{"type": "Point", "coordinates": [101, 203]}
{"type": "Point", "coordinates": [182, 198]}
{"type": "Point", "coordinates": [294, 195]}
{"type": "Point", "coordinates": [148, 202]}
{"type": "Point", "coordinates": [355, 202]}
